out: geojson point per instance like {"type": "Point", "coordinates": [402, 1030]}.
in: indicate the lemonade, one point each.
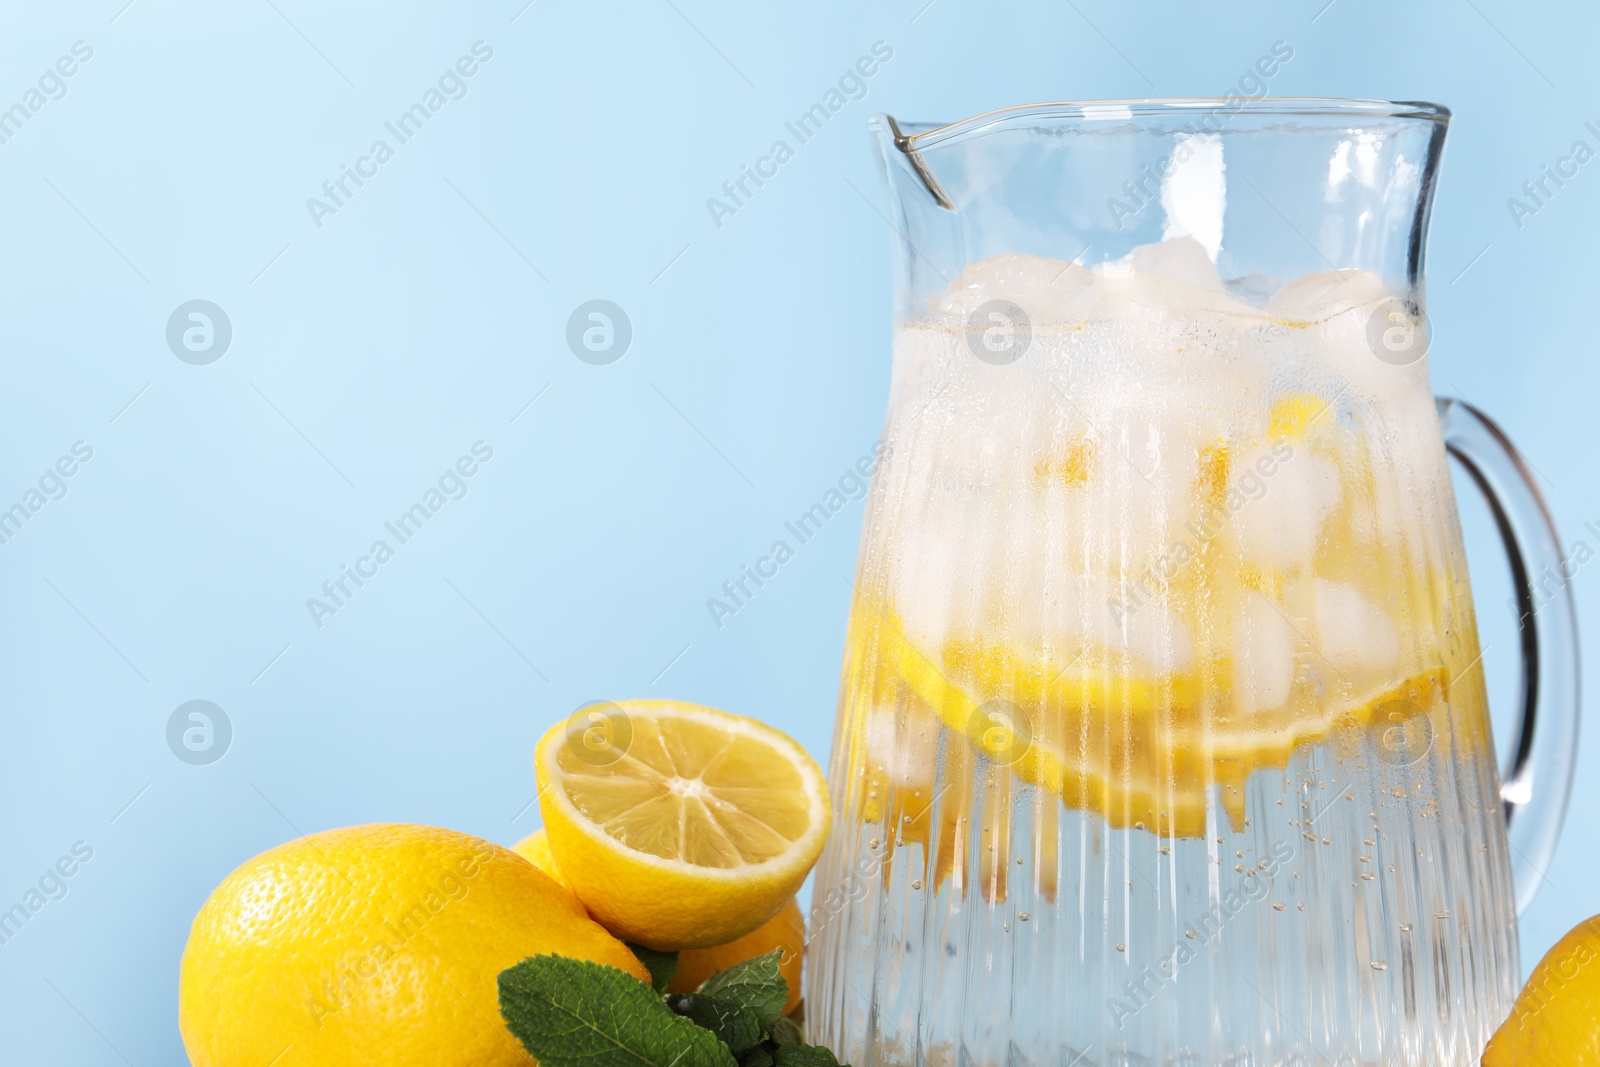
{"type": "Point", "coordinates": [1160, 666]}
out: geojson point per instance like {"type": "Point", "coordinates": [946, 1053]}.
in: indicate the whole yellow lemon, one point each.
{"type": "Point", "coordinates": [373, 945]}
{"type": "Point", "coordinates": [1556, 1019]}
{"type": "Point", "coordinates": [784, 932]}
{"type": "Point", "coordinates": [535, 848]}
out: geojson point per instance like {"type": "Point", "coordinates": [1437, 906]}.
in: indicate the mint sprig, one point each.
{"type": "Point", "coordinates": [737, 1027]}
{"type": "Point", "coordinates": [575, 1013]}
{"type": "Point", "coordinates": [803, 1056]}
{"type": "Point", "coordinates": [789, 1056]}
{"type": "Point", "coordinates": [785, 1031]}
{"type": "Point", "coordinates": [755, 985]}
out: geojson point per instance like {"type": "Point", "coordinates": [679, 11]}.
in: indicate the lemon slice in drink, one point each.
{"type": "Point", "coordinates": [677, 825]}
{"type": "Point", "coordinates": [1142, 752]}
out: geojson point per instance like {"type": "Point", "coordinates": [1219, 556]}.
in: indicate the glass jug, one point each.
{"type": "Point", "coordinates": [1162, 736]}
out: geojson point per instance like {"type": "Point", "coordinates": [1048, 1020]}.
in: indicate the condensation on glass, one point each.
{"type": "Point", "coordinates": [1162, 736]}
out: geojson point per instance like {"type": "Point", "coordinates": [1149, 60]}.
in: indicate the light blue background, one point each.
{"type": "Point", "coordinates": [371, 352]}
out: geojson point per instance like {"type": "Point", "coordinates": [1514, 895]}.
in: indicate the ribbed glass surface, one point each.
{"type": "Point", "coordinates": [1162, 735]}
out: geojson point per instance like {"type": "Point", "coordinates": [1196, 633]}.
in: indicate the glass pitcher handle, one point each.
{"type": "Point", "coordinates": [1537, 776]}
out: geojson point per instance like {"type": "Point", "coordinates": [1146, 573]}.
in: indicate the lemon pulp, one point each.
{"type": "Point", "coordinates": [697, 795]}
{"type": "Point", "coordinates": [687, 827]}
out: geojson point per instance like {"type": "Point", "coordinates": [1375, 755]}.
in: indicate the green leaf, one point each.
{"type": "Point", "coordinates": [663, 966]}
{"type": "Point", "coordinates": [754, 984]}
{"type": "Point", "coordinates": [757, 1057]}
{"type": "Point", "coordinates": [734, 1024]}
{"type": "Point", "coordinates": [576, 1013]}
{"type": "Point", "coordinates": [785, 1031]}
{"type": "Point", "coordinates": [803, 1056]}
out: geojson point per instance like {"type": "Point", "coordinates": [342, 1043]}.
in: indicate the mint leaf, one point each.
{"type": "Point", "coordinates": [576, 1013]}
{"type": "Point", "coordinates": [757, 1057]}
{"type": "Point", "coordinates": [803, 1056]}
{"type": "Point", "coordinates": [663, 966]}
{"type": "Point", "coordinates": [735, 1025]}
{"type": "Point", "coordinates": [754, 984]}
{"type": "Point", "coordinates": [785, 1031]}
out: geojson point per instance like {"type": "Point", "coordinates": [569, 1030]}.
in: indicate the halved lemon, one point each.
{"type": "Point", "coordinates": [679, 826]}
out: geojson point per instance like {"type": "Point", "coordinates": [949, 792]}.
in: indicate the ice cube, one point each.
{"type": "Point", "coordinates": [906, 751]}
{"type": "Point", "coordinates": [1254, 288]}
{"type": "Point", "coordinates": [1282, 504]}
{"type": "Point", "coordinates": [1111, 624]}
{"type": "Point", "coordinates": [1020, 272]}
{"type": "Point", "coordinates": [1263, 656]}
{"type": "Point", "coordinates": [1344, 321]}
{"type": "Point", "coordinates": [1326, 294]}
{"type": "Point", "coordinates": [1174, 276]}
{"type": "Point", "coordinates": [1101, 593]}
{"type": "Point", "coordinates": [1153, 634]}
{"type": "Point", "coordinates": [926, 579]}
{"type": "Point", "coordinates": [1353, 633]}
{"type": "Point", "coordinates": [1179, 259]}
{"type": "Point", "coordinates": [1049, 290]}
{"type": "Point", "coordinates": [1139, 499]}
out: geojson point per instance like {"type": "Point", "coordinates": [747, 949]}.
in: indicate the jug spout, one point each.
{"type": "Point", "coordinates": [902, 162]}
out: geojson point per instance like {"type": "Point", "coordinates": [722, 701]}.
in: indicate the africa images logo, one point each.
{"type": "Point", "coordinates": [851, 85]}
{"type": "Point", "coordinates": [52, 85]}
{"type": "Point", "coordinates": [451, 85]}
{"type": "Point", "coordinates": [452, 485]}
